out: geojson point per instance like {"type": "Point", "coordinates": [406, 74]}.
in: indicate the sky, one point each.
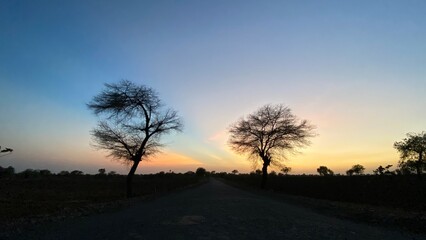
{"type": "Point", "coordinates": [354, 69]}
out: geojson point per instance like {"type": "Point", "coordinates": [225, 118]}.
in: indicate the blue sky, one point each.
{"type": "Point", "coordinates": [355, 69]}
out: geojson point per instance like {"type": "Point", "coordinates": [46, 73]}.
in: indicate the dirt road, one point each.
{"type": "Point", "coordinates": [211, 211]}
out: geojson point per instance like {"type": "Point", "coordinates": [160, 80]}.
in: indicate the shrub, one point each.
{"type": "Point", "coordinates": [7, 172]}
{"type": "Point", "coordinates": [201, 172]}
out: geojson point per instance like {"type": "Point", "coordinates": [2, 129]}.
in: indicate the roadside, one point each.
{"type": "Point", "coordinates": [211, 211]}
{"type": "Point", "coordinates": [373, 215]}
{"type": "Point", "coordinates": [17, 225]}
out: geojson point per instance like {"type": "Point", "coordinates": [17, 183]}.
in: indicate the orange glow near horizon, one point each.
{"type": "Point", "coordinates": [361, 83]}
{"type": "Point", "coordinates": [331, 148]}
{"type": "Point", "coordinates": [171, 158]}
{"type": "Point", "coordinates": [337, 146]}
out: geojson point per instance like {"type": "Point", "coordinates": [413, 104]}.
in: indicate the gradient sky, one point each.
{"type": "Point", "coordinates": [355, 69]}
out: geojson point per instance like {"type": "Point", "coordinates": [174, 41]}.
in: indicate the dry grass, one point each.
{"type": "Point", "coordinates": [46, 195]}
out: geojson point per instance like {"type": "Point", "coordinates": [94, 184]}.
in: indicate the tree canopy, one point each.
{"type": "Point", "coordinates": [285, 169]}
{"type": "Point", "coordinates": [383, 170]}
{"type": "Point", "coordinates": [412, 150]}
{"type": "Point", "coordinates": [133, 119]}
{"type": "Point", "coordinates": [356, 169]}
{"type": "Point", "coordinates": [268, 134]}
{"type": "Point", "coordinates": [325, 171]}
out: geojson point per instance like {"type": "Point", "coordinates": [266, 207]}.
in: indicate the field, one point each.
{"type": "Point", "coordinates": [52, 195]}
{"type": "Point", "coordinates": [29, 199]}
{"type": "Point", "coordinates": [403, 192]}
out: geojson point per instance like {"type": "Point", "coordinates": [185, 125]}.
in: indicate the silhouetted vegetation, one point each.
{"type": "Point", "coordinates": [7, 172]}
{"type": "Point", "coordinates": [412, 150]}
{"type": "Point", "coordinates": [76, 173]}
{"type": "Point", "coordinates": [201, 172]}
{"type": "Point", "coordinates": [33, 192]}
{"type": "Point", "coordinates": [268, 134]}
{"type": "Point", "coordinates": [64, 173]}
{"type": "Point", "coordinates": [101, 172]}
{"type": "Point", "coordinates": [399, 191]}
{"type": "Point", "coordinates": [407, 167]}
{"type": "Point", "coordinates": [285, 169]}
{"type": "Point", "coordinates": [383, 170]}
{"type": "Point", "coordinates": [133, 122]}
{"type": "Point", "coordinates": [325, 171]}
{"type": "Point", "coordinates": [356, 169]}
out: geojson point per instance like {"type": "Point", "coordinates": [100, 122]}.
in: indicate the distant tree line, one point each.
{"type": "Point", "coordinates": [355, 170]}
{"type": "Point", "coordinates": [412, 151]}
{"type": "Point", "coordinates": [400, 191]}
{"type": "Point", "coordinates": [132, 120]}
{"type": "Point", "coordinates": [10, 171]}
{"type": "Point", "coordinates": [28, 173]}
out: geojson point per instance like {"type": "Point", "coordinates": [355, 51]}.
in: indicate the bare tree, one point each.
{"type": "Point", "coordinates": [413, 149]}
{"type": "Point", "coordinates": [268, 133]}
{"type": "Point", "coordinates": [133, 120]}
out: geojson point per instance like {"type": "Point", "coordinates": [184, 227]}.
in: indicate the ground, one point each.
{"type": "Point", "coordinates": [212, 210]}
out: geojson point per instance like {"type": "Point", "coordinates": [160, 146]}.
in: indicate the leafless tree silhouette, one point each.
{"type": "Point", "coordinates": [268, 134]}
{"type": "Point", "coordinates": [133, 120]}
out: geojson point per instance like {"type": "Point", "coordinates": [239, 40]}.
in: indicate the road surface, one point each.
{"type": "Point", "coordinates": [211, 211]}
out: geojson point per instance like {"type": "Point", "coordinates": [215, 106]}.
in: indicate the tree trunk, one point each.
{"type": "Point", "coordinates": [264, 175]}
{"type": "Point", "coordinates": [129, 179]}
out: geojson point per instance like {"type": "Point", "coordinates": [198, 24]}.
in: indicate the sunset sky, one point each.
{"type": "Point", "coordinates": [355, 69]}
